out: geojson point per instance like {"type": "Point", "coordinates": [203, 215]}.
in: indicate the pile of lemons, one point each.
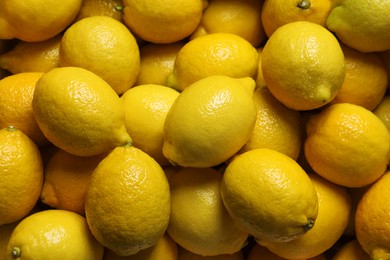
{"type": "Point", "coordinates": [194, 129]}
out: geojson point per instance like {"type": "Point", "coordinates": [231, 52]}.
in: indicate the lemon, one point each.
{"type": "Point", "coordinates": [209, 121]}
{"type": "Point", "coordinates": [79, 112]}
{"type": "Point", "coordinates": [303, 65]}
{"type": "Point", "coordinates": [158, 22]}
{"type": "Point", "coordinates": [242, 18]}
{"type": "Point", "coordinates": [157, 61]}
{"type": "Point", "coordinates": [111, 8]}
{"type": "Point", "coordinates": [351, 250]}
{"type": "Point", "coordinates": [128, 201]}
{"type": "Point", "coordinates": [32, 56]}
{"type": "Point", "coordinates": [382, 111]}
{"type": "Point", "coordinates": [199, 221]}
{"type": "Point", "coordinates": [362, 25]}
{"type": "Point", "coordinates": [277, 127]}
{"type": "Point", "coordinates": [269, 195]}
{"type": "Point", "coordinates": [348, 145]}
{"type": "Point", "coordinates": [22, 175]}
{"type": "Point", "coordinates": [280, 12]}
{"type": "Point", "coordinates": [260, 78]}
{"type": "Point", "coordinates": [213, 54]}
{"type": "Point", "coordinates": [146, 107]}
{"type": "Point", "coordinates": [104, 46]}
{"type": "Point", "coordinates": [49, 18]}
{"type": "Point", "coordinates": [334, 207]}
{"type": "Point", "coordinates": [188, 255]}
{"type": "Point", "coordinates": [53, 234]}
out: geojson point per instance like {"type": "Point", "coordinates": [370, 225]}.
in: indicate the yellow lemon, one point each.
{"type": "Point", "coordinates": [16, 95]}
{"type": "Point", "coordinates": [111, 8]}
{"type": "Point", "coordinates": [157, 61]}
{"type": "Point", "coordinates": [146, 107]}
{"type": "Point", "coordinates": [260, 252]}
{"type": "Point", "coordinates": [199, 221]}
{"type": "Point", "coordinates": [385, 57]}
{"type": "Point", "coordinates": [209, 121]}
{"type": "Point", "coordinates": [79, 112]}
{"type": "Point", "coordinates": [159, 22]}
{"type": "Point", "coordinates": [280, 12]}
{"type": "Point", "coordinates": [371, 220]}
{"type": "Point", "coordinates": [260, 78]}
{"type": "Point", "coordinates": [351, 250]}
{"type": "Point", "coordinates": [184, 254]}
{"type": "Point", "coordinates": [242, 18]}
{"type": "Point", "coordinates": [362, 25]}
{"type": "Point", "coordinates": [32, 56]}
{"type": "Point", "coordinates": [165, 248]}
{"type": "Point", "coordinates": [355, 194]}
{"type": "Point", "coordinates": [348, 145]}
{"type": "Point", "coordinates": [22, 175]}
{"type": "Point", "coordinates": [104, 46]}
{"type": "Point", "coordinates": [66, 178]}
{"type": "Point", "coordinates": [334, 207]}
{"type": "Point", "coordinates": [382, 111]}
{"type": "Point", "coordinates": [303, 65]}
{"type": "Point", "coordinates": [53, 234]}
{"type": "Point", "coordinates": [277, 127]}
{"type": "Point", "coordinates": [34, 21]}
{"type": "Point", "coordinates": [365, 81]}
{"type": "Point", "coordinates": [128, 201]}
{"type": "Point", "coordinates": [269, 195]}
{"type": "Point", "coordinates": [213, 54]}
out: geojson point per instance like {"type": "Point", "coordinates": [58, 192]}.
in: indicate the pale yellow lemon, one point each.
{"type": "Point", "coordinates": [242, 18]}
{"type": "Point", "coordinates": [209, 121]}
{"type": "Point", "coordinates": [260, 78]}
{"type": "Point", "coordinates": [348, 145]}
{"type": "Point", "coordinates": [111, 8]}
{"type": "Point", "coordinates": [199, 221]}
{"type": "Point", "coordinates": [158, 22]}
{"type": "Point", "coordinates": [34, 21]}
{"type": "Point", "coordinates": [269, 195]}
{"type": "Point", "coordinates": [104, 46]}
{"type": "Point", "coordinates": [53, 234]}
{"type": "Point", "coordinates": [22, 175]}
{"type": "Point", "coordinates": [79, 112]}
{"type": "Point", "coordinates": [146, 107]}
{"type": "Point", "coordinates": [303, 65]}
{"type": "Point", "coordinates": [213, 54]}
{"type": "Point", "coordinates": [351, 250]}
{"type": "Point", "coordinates": [128, 201]}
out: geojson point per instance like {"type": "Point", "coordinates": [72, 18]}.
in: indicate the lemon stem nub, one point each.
{"type": "Point", "coordinates": [15, 252]}
{"type": "Point", "coordinates": [309, 225]}
{"type": "Point", "coordinates": [11, 128]}
{"type": "Point", "coordinates": [304, 4]}
{"type": "Point", "coordinates": [119, 8]}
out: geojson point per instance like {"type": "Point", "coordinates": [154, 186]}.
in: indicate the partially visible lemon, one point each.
{"type": "Point", "coordinates": [269, 195]}
{"type": "Point", "coordinates": [5, 234]}
{"type": "Point", "coordinates": [213, 54]}
{"type": "Point", "coordinates": [32, 56]}
{"type": "Point", "coordinates": [382, 111]}
{"type": "Point", "coordinates": [209, 121]}
{"type": "Point", "coordinates": [104, 46]}
{"type": "Point", "coordinates": [348, 145]}
{"type": "Point", "coordinates": [146, 107]}
{"type": "Point", "coordinates": [351, 250]}
{"type": "Point", "coordinates": [360, 24]}
{"type": "Point", "coordinates": [111, 8]}
{"type": "Point", "coordinates": [52, 235]}
{"type": "Point", "coordinates": [184, 254]}
{"type": "Point", "coordinates": [260, 78]}
{"type": "Point", "coordinates": [34, 21]}
{"type": "Point", "coordinates": [21, 172]}
{"type": "Point", "coordinates": [79, 112]}
{"type": "Point", "coordinates": [128, 201]}
{"type": "Point", "coordinates": [159, 22]}
{"type": "Point", "coordinates": [199, 221]}
{"type": "Point", "coordinates": [303, 65]}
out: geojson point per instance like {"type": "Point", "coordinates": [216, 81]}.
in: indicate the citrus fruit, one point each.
{"type": "Point", "coordinates": [351, 250]}
{"type": "Point", "coordinates": [79, 112]}
{"type": "Point", "coordinates": [348, 145]}
{"type": "Point", "coordinates": [188, 255]}
{"type": "Point", "coordinates": [128, 201]}
{"type": "Point", "coordinates": [371, 220]}
{"type": "Point", "coordinates": [104, 46]}
{"type": "Point", "coordinates": [260, 78]}
{"type": "Point", "coordinates": [157, 22]}
{"type": "Point", "coordinates": [16, 95]}
{"type": "Point", "coordinates": [213, 54]}
{"type": "Point", "coordinates": [34, 21]}
{"type": "Point", "coordinates": [362, 25]}
{"type": "Point", "coordinates": [334, 207]}
{"type": "Point", "coordinates": [111, 8]}
{"type": "Point", "coordinates": [22, 175]}
{"type": "Point", "coordinates": [382, 111]}
{"type": "Point", "coordinates": [53, 234]}
{"type": "Point", "coordinates": [269, 195]}
{"type": "Point", "coordinates": [277, 127]}
{"type": "Point", "coordinates": [303, 65]}
{"type": "Point", "coordinates": [209, 121]}
{"type": "Point", "coordinates": [146, 107]}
